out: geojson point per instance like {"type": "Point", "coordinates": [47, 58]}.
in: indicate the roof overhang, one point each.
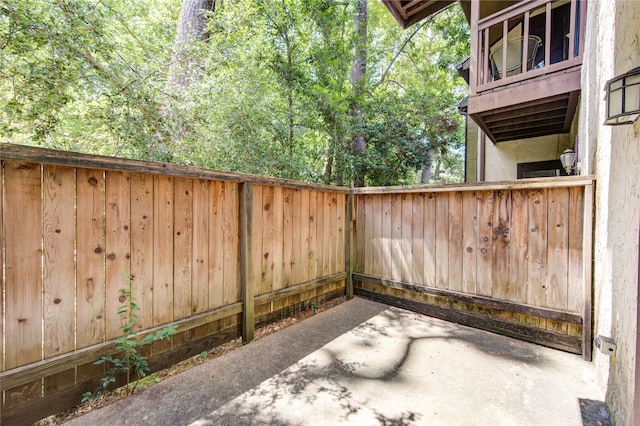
{"type": "Point", "coordinates": [408, 12]}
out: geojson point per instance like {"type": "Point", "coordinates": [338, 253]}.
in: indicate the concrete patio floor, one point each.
{"type": "Point", "coordinates": [366, 363]}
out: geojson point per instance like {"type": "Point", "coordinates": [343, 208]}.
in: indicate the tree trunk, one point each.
{"type": "Point", "coordinates": [426, 167]}
{"type": "Point", "coordinates": [358, 71]}
{"type": "Point", "coordinates": [192, 28]}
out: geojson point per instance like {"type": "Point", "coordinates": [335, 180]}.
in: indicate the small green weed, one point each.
{"type": "Point", "coordinates": [130, 361]}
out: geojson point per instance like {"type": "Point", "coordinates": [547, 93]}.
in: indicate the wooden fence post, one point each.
{"type": "Point", "coordinates": [246, 265]}
{"type": "Point", "coordinates": [349, 246]}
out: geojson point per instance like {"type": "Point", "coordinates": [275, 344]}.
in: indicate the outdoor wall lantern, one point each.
{"type": "Point", "coordinates": [568, 160]}
{"type": "Point", "coordinates": [623, 98]}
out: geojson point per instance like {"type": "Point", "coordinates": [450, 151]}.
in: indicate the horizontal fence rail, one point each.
{"type": "Point", "coordinates": [213, 253]}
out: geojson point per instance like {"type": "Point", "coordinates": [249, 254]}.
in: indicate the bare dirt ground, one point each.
{"type": "Point", "coordinates": [157, 377]}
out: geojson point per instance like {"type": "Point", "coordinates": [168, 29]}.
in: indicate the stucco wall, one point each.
{"type": "Point", "coordinates": [502, 158]}
{"type": "Point", "coordinates": [613, 155]}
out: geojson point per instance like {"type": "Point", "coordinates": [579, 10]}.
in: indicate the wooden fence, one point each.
{"type": "Point", "coordinates": [213, 253]}
{"type": "Point", "coordinates": [217, 253]}
{"type": "Point", "coordinates": [509, 257]}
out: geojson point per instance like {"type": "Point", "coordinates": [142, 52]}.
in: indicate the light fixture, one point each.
{"type": "Point", "coordinates": [623, 98]}
{"type": "Point", "coordinates": [568, 160]}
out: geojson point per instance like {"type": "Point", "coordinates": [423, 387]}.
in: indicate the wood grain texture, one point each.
{"type": "Point", "coordinates": [485, 243]}
{"type": "Point", "coordinates": [216, 244]}
{"type": "Point", "coordinates": [442, 240]}
{"type": "Point", "coordinates": [200, 251]}
{"type": "Point", "coordinates": [90, 257]}
{"type": "Point", "coordinates": [518, 247]}
{"type": "Point", "coordinates": [59, 266]}
{"type": "Point", "coordinates": [430, 240]}
{"type": "Point", "coordinates": [23, 242]}
{"type": "Point", "coordinates": [163, 206]}
{"type": "Point", "coordinates": [406, 246]}
{"type": "Point", "coordinates": [417, 239]}
{"type": "Point", "coordinates": [142, 238]}
{"type": "Point", "coordinates": [455, 241]}
{"type": "Point", "coordinates": [118, 247]}
{"type": "Point", "coordinates": [469, 242]}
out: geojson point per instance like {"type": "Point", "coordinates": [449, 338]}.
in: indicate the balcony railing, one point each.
{"type": "Point", "coordinates": [525, 40]}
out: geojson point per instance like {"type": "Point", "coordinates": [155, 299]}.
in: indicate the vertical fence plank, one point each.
{"type": "Point", "coordinates": [417, 266]}
{"type": "Point", "coordinates": [442, 240]}
{"type": "Point", "coordinates": [163, 206]}
{"type": "Point", "coordinates": [430, 240]}
{"type": "Point", "coordinates": [328, 224]}
{"type": "Point", "coordinates": [333, 234]}
{"type": "Point", "coordinates": [501, 226]}
{"type": "Point", "coordinates": [369, 247]}
{"type": "Point", "coordinates": [320, 236]}
{"type": "Point", "coordinates": [297, 236]}
{"type": "Point", "coordinates": [182, 247]}
{"type": "Point", "coordinates": [406, 258]}
{"type": "Point", "coordinates": [469, 242]}
{"type": "Point", "coordinates": [537, 262]}
{"type": "Point", "coordinates": [303, 229]}
{"type": "Point", "coordinates": [485, 239]}
{"type": "Point", "coordinates": [287, 241]}
{"type": "Point", "coordinates": [231, 243]}
{"type": "Point", "coordinates": [246, 260]}
{"type": "Point", "coordinates": [118, 247]}
{"type": "Point", "coordinates": [386, 243]}
{"type": "Point", "coordinates": [23, 239]}
{"type": "Point", "coordinates": [200, 269]}
{"type": "Point", "coordinates": [267, 238]}
{"type": "Point", "coordinates": [558, 253]}
{"type": "Point", "coordinates": [216, 245]}
{"type": "Point", "coordinates": [340, 207]}
{"type": "Point", "coordinates": [278, 236]}
{"type": "Point", "coordinates": [142, 246]}
{"type": "Point", "coordinates": [518, 247]}
{"type": "Point", "coordinates": [256, 249]}
{"type": "Point", "coordinates": [313, 236]}
{"type": "Point", "coordinates": [58, 243]}
{"type": "Point", "coordinates": [375, 220]}
{"type": "Point", "coordinates": [90, 249]}
{"type": "Point", "coordinates": [576, 225]}
{"type": "Point", "coordinates": [455, 241]}
{"type": "Point", "coordinates": [396, 237]}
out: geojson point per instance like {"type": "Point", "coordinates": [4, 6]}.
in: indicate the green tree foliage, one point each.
{"type": "Point", "coordinates": [270, 93]}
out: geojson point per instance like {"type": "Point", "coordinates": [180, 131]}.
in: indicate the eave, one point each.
{"type": "Point", "coordinates": [408, 12]}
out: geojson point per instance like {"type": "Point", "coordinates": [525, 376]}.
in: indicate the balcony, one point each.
{"type": "Point", "coordinates": [525, 66]}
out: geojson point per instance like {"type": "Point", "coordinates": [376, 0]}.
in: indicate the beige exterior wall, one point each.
{"type": "Point", "coordinates": [502, 158]}
{"type": "Point", "coordinates": [613, 155]}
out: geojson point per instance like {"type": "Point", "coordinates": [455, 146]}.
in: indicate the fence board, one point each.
{"type": "Point", "coordinates": [417, 246]}
{"type": "Point", "coordinates": [469, 242]}
{"type": "Point", "coordinates": [304, 249]}
{"type": "Point", "coordinates": [216, 245]}
{"type": "Point", "coordinates": [231, 243]}
{"type": "Point", "coordinates": [340, 209]}
{"type": "Point", "coordinates": [58, 244]}
{"type": "Point", "coordinates": [387, 226]}
{"type": "Point", "coordinates": [518, 247]}
{"type": "Point", "coordinates": [537, 261]}
{"type": "Point", "coordinates": [182, 247]}
{"type": "Point", "coordinates": [257, 240]}
{"type": "Point", "coordinates": [287, 243]}
{"type": "Point", "coordinates": [369, 247]}
{"type": "Point", "coordinates": [163, 250]}
{"type": "Point", "coordinates": [442, 240]}
{"type": "Point", "coordinates": [200, 268]}
{"type": "Point", "coordinates": [23, 287]}
{"type": "Point", "coordinates": [142, 238]}
{"type": "Point", "coordinates": [90, 257]}
{"type": "Point", "coordinates": [320, 227]}
{"type": "Point", "coordinates": [485, 241]}
{"type": "Point", "coordinates": [576, 225]}
{"type": "Point", "coordinates": [396, 237]}
{"type": "Point", "coordinates": [558, 250]}
{"type": "Point", "coordinates": [327, 261]}
{"type": "Point", "coordinates": [430, 240]}
{"type": "Point", "coordinates": [500, 245]}
{"type": "Point", "coordinates": [406, 254]}
{"type": "Point", "coordinates": [332, 205]}
{"type": "Point", "coordinates": [455, 241]}
{"type": "Point", "coordinates": [313, 236]}
{"type": "Point", "coordinates": [118, 247]}
{"type": "Point", "coordinates": [278, 235]}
